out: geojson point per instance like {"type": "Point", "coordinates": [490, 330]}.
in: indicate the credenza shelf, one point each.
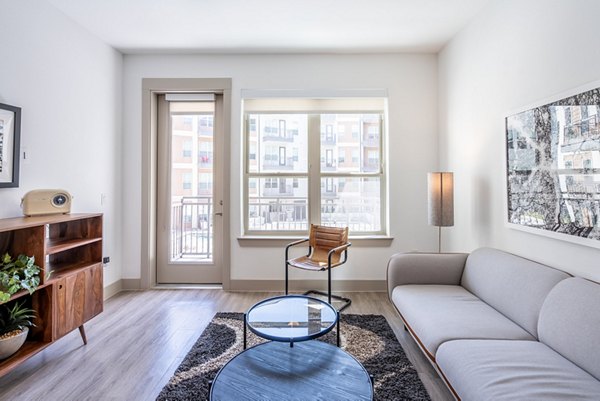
{"type": "Point", "coordinates": [56, 246]}
{"type": "Point", "coordinates": [69, 248]}
{"type": "Point", "coordinates": [29, 349]}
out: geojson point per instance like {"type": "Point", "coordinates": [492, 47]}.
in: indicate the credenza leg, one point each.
{"type": "Point", "coordinates": [82, 332]}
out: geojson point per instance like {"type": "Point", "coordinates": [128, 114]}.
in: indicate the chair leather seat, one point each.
{"type": "Point", "coordinates": [306, 263]}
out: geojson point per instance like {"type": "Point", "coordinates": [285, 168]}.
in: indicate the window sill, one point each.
{"type": "Point", "coordinates": [281, 241]}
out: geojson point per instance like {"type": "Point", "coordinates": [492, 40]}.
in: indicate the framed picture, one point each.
{"type": "Point", "coordinates": [553, 168]}
{"type": "Point", "coordinates": [10, 135]}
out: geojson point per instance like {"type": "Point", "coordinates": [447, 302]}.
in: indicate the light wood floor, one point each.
{"type": "Point", "coordinates": [136, 344]}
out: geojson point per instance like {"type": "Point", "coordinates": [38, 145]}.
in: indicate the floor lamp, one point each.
{"type": "Point", "coordinates": [440, 200]}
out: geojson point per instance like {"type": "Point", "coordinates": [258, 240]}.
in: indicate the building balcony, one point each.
{"type": "Point", "coordinates": [328, 140]}
{"type": "Point", "coordinates": [371, 142]}
{"type": "Point", "coordinates": [275, 137]}
{"type": "Point", "coordinates": [278, 214]}
{"type": "Point", "coordinates": [275, 166]}
{"type": "Point", "coordinates": [191, 228]}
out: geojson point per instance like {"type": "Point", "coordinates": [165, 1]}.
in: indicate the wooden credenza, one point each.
{"type": "Point", "coordinates": [70, 248]}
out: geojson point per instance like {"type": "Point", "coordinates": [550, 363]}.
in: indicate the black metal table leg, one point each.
{"type": "Point", "coordinates": [339, 317]}
{"type": "Point", "coordinates": [244, 331]}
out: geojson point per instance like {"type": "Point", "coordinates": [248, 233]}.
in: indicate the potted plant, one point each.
{"type": "Point", "coordinates": [14, 327]}
{"type": "Point", "coordinates": [17, 274]}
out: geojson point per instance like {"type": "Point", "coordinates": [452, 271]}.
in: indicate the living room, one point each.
{"type": "Point", "coordinates": [86, 76]}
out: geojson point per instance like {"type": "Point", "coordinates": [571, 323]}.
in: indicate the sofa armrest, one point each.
{"type": "Point", "coordinates": [425, 268]}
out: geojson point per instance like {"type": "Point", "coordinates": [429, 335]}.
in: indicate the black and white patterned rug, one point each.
{"type": "Point", "coordinates": [368, 337]}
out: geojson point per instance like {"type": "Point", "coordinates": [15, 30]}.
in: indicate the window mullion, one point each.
{"type": "Point", "coordinates": [314, 169]}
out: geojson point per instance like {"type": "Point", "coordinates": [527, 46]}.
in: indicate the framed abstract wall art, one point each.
{"type": "Point", "coordinates": [10, 135]}
{"type": "Point", "coordinates": [553, 168]}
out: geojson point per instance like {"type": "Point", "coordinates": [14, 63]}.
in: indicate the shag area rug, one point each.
{"type": "Point", "coordinates": [368, 338]}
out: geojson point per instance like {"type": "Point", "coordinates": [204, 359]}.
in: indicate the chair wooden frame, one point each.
{"type": "Point", "coordinates": [314, 260]}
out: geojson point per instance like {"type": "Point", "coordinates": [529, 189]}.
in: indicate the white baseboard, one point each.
{"type": "Point", "coordinates": [113, 289]}
{"type": "Point", "coordinates": [304, 285]}
{"type": "Point", "coordinates": [132, 283]}
{"type": "Point", "coordinates": [269, 285]}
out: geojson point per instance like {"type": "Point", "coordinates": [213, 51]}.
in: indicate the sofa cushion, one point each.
{"type": "Point", "coordinates": [498, 370]}
{"type": "Point", "coordinates": [570, 323]}
{"type": "Point", "coordinates": [492, 275]}
{"type": "Point", "coordinates": [439, 313]}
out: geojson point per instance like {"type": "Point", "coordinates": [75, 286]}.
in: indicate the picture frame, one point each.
{"type": "Point", "coordinates": [10, 145]}
{"type": "Point", "coordinates": [552, 152]}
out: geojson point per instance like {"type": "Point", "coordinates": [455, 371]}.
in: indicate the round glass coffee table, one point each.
{"type": "Point", "coordinates": [291, 318]}
{"type": "Point", "coordinates": [312, 370]}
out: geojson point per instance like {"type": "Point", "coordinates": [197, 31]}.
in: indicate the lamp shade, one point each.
{"type": "Point", "coordinates": [440, 199]}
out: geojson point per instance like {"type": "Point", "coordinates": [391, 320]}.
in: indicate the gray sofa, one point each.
{"type": "Point", "coordinates": [500, 327]}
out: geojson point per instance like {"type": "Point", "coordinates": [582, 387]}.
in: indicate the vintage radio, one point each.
{"type": "Point", "coordinates": [46, 201]}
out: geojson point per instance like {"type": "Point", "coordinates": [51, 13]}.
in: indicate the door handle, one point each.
{"type": "Point", "coordinates": [219, 214]}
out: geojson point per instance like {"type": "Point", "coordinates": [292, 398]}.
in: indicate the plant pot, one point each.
{"type": "Point", "coordinates": [9, 346]}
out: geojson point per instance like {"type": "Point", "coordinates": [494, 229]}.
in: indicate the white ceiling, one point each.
{"type": "Point", "coordinates": [234, 26]}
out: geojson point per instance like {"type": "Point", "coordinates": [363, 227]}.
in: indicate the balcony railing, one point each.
{"type": "Point", "coordinates": [291, 214]}
{"type": "Point", "coordinates": [278, 214]}
{"type": "Point", "coordinates": [192, 228]}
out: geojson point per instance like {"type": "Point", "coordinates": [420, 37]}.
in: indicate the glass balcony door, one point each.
{"type": "Point", "coordinates": [189, 203]}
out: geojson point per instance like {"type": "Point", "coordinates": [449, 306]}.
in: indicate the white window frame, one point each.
{"type": "Point", "coordinates": [314, 174]}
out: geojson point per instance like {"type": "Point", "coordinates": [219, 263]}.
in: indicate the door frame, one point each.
{"type": "Point", "coordinates": [151, 88]}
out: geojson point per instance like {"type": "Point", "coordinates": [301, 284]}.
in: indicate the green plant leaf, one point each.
{"type": "Point", "coordinates": [18, 274]}
{"type": "Point", "coordinates": [6, 259]}
{"type": "Point", "coordinates": [16, 318]}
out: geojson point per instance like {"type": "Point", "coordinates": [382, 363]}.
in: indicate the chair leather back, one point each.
{"type": "Point", "coordinates": [323, 239]}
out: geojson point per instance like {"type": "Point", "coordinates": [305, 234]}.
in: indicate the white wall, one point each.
{"type": "Point", "coordinates": [68, 84]}
{"type": "Point", "coordinates": [411, 81]}
{"type": "Point", "coordinates": [515, 53]}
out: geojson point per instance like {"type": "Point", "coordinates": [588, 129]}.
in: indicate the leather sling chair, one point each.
{"type": "Point", "coordinates": [327, 248]}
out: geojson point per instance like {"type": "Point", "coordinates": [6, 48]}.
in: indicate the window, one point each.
{"type": "Point", "coordinates": [205, 181]}
{"type": "Point", "coordinates": [329, 184]}
{"type": "Point", "coordinates": [205, 125]}
{"type": "Point", "coordinates": [355, 156]}
{"type": "Point", "coordinates": [187, 180]}
{"type": "Point", "coordinates": [329, 158]}
{"type": "Point", "coordinates": [282, 186]}
{"type": "Point", "coordinates": [205, 153]}
{"type": "Point", "coordinates": [279, 198]}
{"type": "Point", "coordinates": [329, 132]}
{"type": "Point", "coordinates": [282, 128]}
{"type": "Point", "coordinates": [355, 132]}
{"type": "Point", "coordinates": [271, 183]}
{"type": "Point", "coordinates": [282, 156]}
{"type": "Point", "coordinates": [187, 148]}
{"type": "Point", "coordinates": [372, 159]}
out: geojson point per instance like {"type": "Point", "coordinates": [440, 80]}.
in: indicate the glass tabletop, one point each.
{"type": "Point", "coordinates": [291, 318]}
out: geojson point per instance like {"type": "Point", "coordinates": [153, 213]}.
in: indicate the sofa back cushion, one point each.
{"type": "Point", "coordinates": [514, 286]}
{"type": "Point", "coordinates": [570, 323]}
